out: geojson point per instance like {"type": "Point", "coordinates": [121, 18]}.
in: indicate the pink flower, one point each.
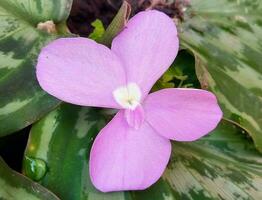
{"type": "Point", "coordinates": [132, 151]}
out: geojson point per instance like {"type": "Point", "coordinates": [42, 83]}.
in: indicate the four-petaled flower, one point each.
{"type": "Point", "coordinates": [132, 151]}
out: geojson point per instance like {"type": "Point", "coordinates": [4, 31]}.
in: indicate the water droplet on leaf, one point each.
{"type": "Point", "coordinates": [34, 168]}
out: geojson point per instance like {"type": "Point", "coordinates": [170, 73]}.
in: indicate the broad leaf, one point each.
{"type": "Point", "coordinates": [223, 165]}
{"type": "Point", "coordinates": [16, 186]}
{"type": "Point", "coordinates": [225, 37]}
{"type": "Point", "coordinates": [62, 140]}
{"type": "Point", "coordinates": [21, 38]}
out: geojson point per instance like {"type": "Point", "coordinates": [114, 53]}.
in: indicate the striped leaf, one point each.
{"type": "Point", "coordinates": [225, 37]}
{"type": "Point", "coordinates": [21, 37]}
{"type": "Point", "coordinates": [15, 186]}
{"type": "Point", "coordinates": [223, 165]}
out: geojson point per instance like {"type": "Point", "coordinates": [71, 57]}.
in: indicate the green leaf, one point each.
{"type": "Point", "coordinates": [225, 37]}
{"type": "Point", "coordinates": [24, 26]}
{"type": "Point", "coordinates": [63, 140]}
{"type": "Point", "coordinates": [117, 24]}
{"type": "Point", "coordinates": [181, 74]}
{"type": "Point", "coordinates": [223, 165]}
{"type": "Point", "coordinates": [99, 30]}
{"type": "Point", "coordinates": [16, 186]}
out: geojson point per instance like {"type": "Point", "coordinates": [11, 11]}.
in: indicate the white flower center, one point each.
{"type": "Point", "coordinates": [128, 96]}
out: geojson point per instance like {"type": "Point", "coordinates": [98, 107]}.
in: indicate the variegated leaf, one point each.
{"type": "Point", "coordinates": [22, 35]}
{"type": "Point", "coordinates": [223, 165]}
{"type": "Point", "coordinates": [225, 37]}
{"type": "Point", "coordinates": [14, 186]}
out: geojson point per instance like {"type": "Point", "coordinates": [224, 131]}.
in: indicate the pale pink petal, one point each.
{"type": "Point", "coordinates": [123, 158]}
{"type": "Point", "coordinates": [80, 71]}
{"type": "Point", "coordinates": [147, 46]}
{"type": "Point", "coordinates": [135, 118]}
{"type": "Point", "coordinates": [182, 114]}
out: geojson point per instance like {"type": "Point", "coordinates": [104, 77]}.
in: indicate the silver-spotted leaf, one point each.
{"type": "Point", "coordinates": [225, 37]}
{"type": "Point", "coordinates": [22, 35]}
{"type": "Point", "coordinates": [223, 165]}
{"type": "Point", "coordinates": [14, 186]}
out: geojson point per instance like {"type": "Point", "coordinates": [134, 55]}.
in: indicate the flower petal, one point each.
{"type": "Point", "coordinates": [123, 158]}
{"type": "Point", "coordinates": [135, 118]}
{"type": "Point", "coordinates": [182, 114]}
{"type": "Point", "coordinates": [80, 71]}
{"type": "Point", "coordinates": [147, 46]}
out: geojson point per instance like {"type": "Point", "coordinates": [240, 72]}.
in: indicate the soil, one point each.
{"type": "Point", "coordinates": [84, 12]}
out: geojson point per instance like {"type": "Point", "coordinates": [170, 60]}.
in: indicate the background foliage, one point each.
{"type": "Point", "coordinates": [220, 51]}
